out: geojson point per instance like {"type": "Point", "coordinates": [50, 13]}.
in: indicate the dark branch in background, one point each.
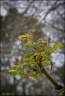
{"type": "Point", "coordinates": [57, 28]}
{"type": "Point", "coordinates": [61, 15]}
{"type": "Point", "coordinates": [53, 7]}
{"type": "Point", "coordinates": [27, 7]}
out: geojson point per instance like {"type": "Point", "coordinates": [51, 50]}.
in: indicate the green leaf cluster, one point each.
{"type": "Point", "coordinates": [39, 52]}
{"type": "Point", "coordinates": [56, 46]}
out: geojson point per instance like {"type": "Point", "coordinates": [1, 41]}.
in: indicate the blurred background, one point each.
{"type": "Point", "coordinates": [21, 16]}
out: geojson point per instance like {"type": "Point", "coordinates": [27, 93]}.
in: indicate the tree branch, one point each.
{"type": "Point", "coordinates": [55, 27]}
{"type": "Point", "coordinates": [57, 86]}
{"type": "Point", "coordinates": [53, 8]}
{"type": "Point", "coordinates": [27, 7]}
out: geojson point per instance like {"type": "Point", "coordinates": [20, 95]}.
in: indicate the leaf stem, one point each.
{"type": "Point", "coordinates": [43, 70]}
